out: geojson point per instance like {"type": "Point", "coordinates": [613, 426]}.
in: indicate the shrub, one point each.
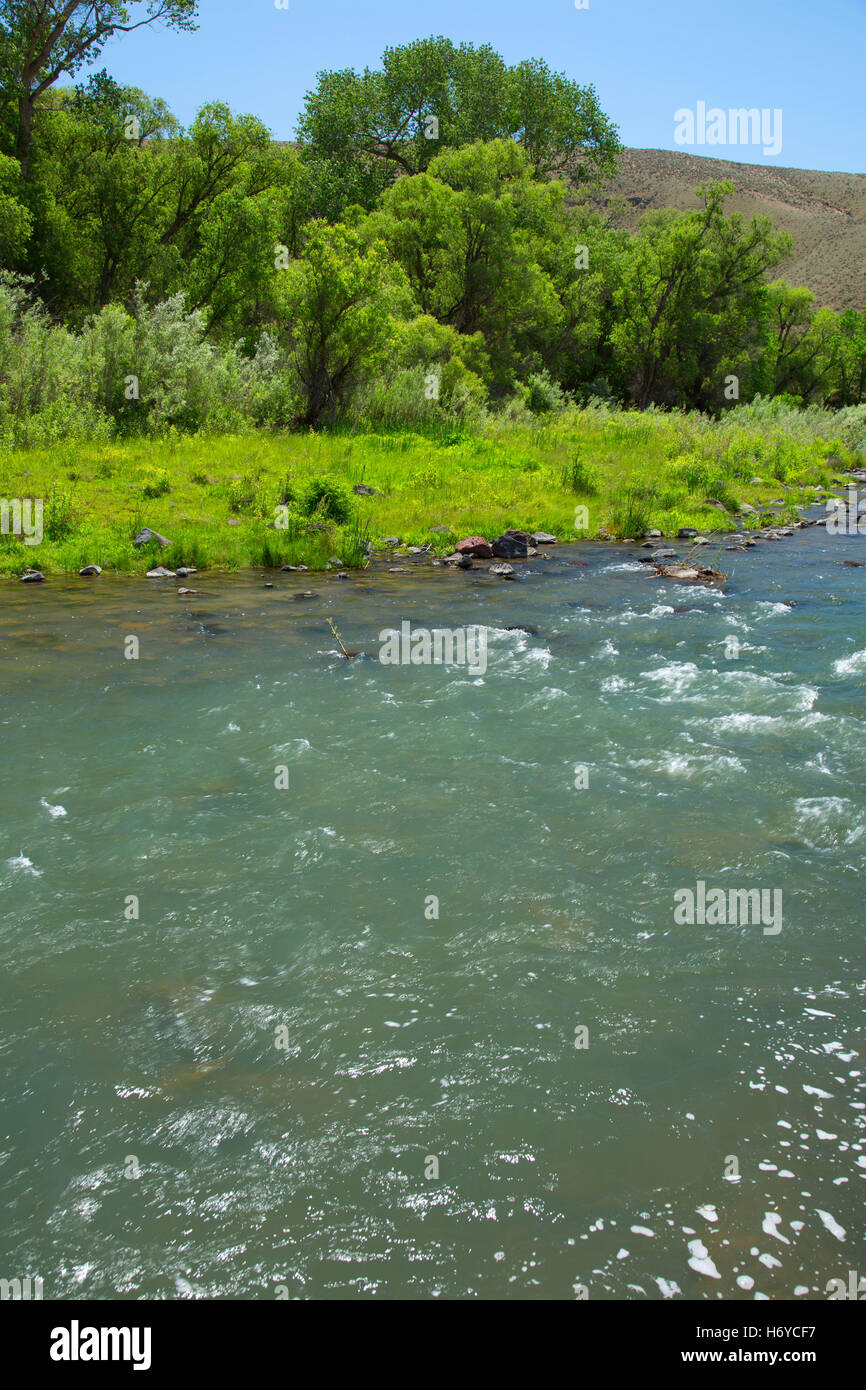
{"type": "Point", "coordinates": [632, 511]}
{"type": "Point", "coordinates": [59, 519]}
{"type": "Point", "coordinates": [159, 486]}
{"type": "Point", "coordinates": [542, 395]}
{"type": "Point", "coordinates": [580, 476]}
{"type": "Point", "coordinates": [325, 498]}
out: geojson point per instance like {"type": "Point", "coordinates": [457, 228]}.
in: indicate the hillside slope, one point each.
{"type": "Point", "coordinates": [825, 213]}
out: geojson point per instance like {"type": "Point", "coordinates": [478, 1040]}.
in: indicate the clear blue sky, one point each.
{"type": "Point", "coordinates": [647, 58]}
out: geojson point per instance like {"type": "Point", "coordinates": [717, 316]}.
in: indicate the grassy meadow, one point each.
{"type": "Point", "coordinates": [215, 497]}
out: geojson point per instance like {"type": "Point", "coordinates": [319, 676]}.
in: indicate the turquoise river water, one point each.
{"type": "Point", "coordinates": [295, 1074]}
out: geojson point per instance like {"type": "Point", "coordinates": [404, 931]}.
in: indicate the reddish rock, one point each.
{"type": "Point", "coordinates": [476, 546]}
{"type": "Point", "coordinates": [524, 536]}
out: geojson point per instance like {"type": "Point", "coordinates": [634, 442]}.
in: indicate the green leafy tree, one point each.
{"type": "Point", "coordinates": [691, 286]}
{"type": "Point", "coordinates": [432, 95]}
{"type": "Point", "coordinates": [336, 304]}
{"type": "Point", "coordinates": [122, 194]}
{"type": "Point", "coordinates": [15, 220]}
{"type": "Point", "coordinates": [40, 40]}
{"type": "Point", "coordinates": [471, 234]}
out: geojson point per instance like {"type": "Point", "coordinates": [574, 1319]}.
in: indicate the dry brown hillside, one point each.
{"type": "Point", "coordinates": [825, 213]}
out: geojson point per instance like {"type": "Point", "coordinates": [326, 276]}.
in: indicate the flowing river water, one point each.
{"type": "Point", "coordinates": [422, 1023]}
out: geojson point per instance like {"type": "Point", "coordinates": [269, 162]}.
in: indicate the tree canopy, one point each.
{"type": "Point", "coordinates": [432, 95]}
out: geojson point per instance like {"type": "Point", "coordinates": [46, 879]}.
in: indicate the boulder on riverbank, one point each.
{"type": "Point", "coordinates": [475, 547]}
{"type": "Point", "coordinates": [146, 536]}
{"type": "Point", "coordinates": [511, 545]}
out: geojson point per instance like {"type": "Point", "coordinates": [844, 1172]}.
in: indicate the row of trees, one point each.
{"type": "Point", "coordinates": [433, 220]}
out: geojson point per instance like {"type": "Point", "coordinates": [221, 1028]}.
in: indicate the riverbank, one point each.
{"type": "Point", "coordinates": [268, 500]}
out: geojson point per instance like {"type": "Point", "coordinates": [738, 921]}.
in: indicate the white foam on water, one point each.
{"type": "Point", "coordinates": [849, 665]}
{"type": "Point", "coordinates": [668, 1288]}
{"type": "Point", "coordinates": [700, 1260]}
{"type": "Point", "coordinates": [674, 679]}
{"type": "Point", "coordinates": [55, 812]}
{"type": "Point", "coordinates": [832, 1224]}
{"type": "Point", "coordinates": [771, 610]}
{"type": "Point", "coordinates": [771, 1222]}
{"type": "Point", "coordinates": [766, 723]}
{"type": "Point", "coordinates": [24, 865]}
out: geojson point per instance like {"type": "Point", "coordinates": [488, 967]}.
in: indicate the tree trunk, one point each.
{"type": "Point", "coordinates": [24, 138]}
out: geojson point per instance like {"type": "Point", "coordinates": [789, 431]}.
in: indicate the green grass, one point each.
{"type": "Point", "coordinates": [214, 496]}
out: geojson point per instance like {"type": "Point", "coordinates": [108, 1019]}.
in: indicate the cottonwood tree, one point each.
{"type": "Point", "coordinates": [40, 40]}
{"type": "Point", "coordinates": [691, 287]}
{"type": "Point", "coordinates": [433, 95]}
{"type": "Point", "coordinates": [472, 234]}
{"type": "Point", "coordinates": [336, 306]}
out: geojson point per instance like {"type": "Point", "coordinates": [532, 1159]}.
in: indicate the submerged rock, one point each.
{"type": "Point", "coordinates": [184, 571]}
{"type": "Point", "coordinates": [503, 571]}
{"type": "Point", "coordinates": [680, 572]}
{"type": "Point", "coordinates": [33, 577]}
{"type": "Point", "coordinates": [307, 593]}
{"type": "Point", "coordinates": [690, 574]}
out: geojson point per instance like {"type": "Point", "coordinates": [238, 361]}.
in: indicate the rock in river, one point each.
{"type": "Point", "coordinates": [511, 546]}
{"type": "Point", "coordinates": [475, 546]}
